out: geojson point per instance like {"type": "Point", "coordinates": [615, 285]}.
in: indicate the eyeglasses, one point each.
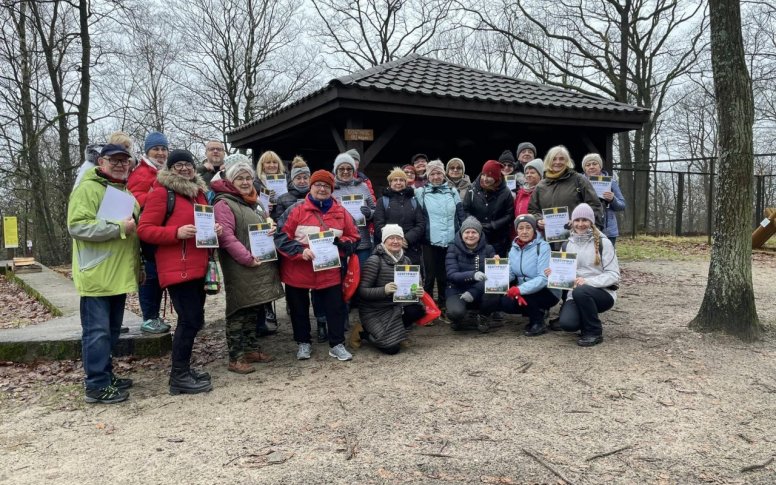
{"type": "Point", "coordinates": [243, 179]}
{"type": "Point", "coordinates": [117, 162]}
{"type": "Point", "coordinates": [182, 165]}
{"type": "Point", "coordinates": [455, 168]}
{"type": "Point", "coordinates": [321, 185]}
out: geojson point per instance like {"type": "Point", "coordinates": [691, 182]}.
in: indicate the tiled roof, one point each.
{"type": "Point", "coordinates": [423, 76]}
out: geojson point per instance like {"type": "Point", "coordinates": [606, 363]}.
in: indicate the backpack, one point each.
{"type": "Point", "coordinates": [149, 250]}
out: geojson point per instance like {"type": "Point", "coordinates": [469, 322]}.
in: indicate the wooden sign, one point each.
{"type": "Point", "coordinates": [359, 135]}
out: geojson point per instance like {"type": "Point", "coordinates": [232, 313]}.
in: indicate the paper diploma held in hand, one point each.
{"type": "Point", "coordinates": [205, 221]}
{"type": "Point", "coordinates": [264, 200]}
{"type": "Point", "coordinates": [563, 270]}
{"type": "Point", "coordinates": [277, 184]}
{"type": "Point", "coordinates": [601, 184]}
{"type": "Point", "coordinates": [511, 181]}
{"type": "Point", "coordinates": [407, 279]}
{"type": "Point", "coordinates": [326, 253]}
{"type": "Point", "coordinates": [116, 205]}
{"type": "Point", "coordinates": [262, 244]}
{"type": "Point", "coordinates": [353, 203]}
{"type": "Point", "coordinates": [555, 220]}
{"type": "Point", "coordinates": [497, 272]}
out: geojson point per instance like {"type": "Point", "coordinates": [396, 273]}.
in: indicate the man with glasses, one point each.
{"type": "Point", "coordinates": [106, 266]}
{"type": "Point", "coordinates": [156, 149]}
{"type": "Point", "coordinates": [214, 161]}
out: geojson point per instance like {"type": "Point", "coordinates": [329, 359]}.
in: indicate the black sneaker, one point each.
{"type": "Point", "coordinates": [535, 329]}
{"type": "Point", "coordinates": [590, 340]}
{"type": "Point", "coordinates": [106, 395]}
{"type": "Point", "coordinates": [120, 383]}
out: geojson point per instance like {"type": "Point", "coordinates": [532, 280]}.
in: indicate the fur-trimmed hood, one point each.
{"type": "Point", "coordinates": [179, 185]}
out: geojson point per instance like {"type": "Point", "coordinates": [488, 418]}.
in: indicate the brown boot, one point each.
{"type": "Point", "coordinates": [241, 367]}
{"type": "Point", "coordinates": [258, 356]}
{"type": "Point", "coordinates": [354, 341]}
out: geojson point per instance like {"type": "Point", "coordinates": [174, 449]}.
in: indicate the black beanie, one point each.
{"type": "Point", "coordinates": [180, 156]}
{"type": "Point", "coordinates": [507, 157]}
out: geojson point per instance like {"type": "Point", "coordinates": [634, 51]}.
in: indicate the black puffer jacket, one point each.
{"type": "Point", "coordinates": [461, 263]}
{"type": "Point", "coordinates": [494, 210]}
{"type": "Point", "coordinates": [401, 211]}
{"type": "Point", "coordinates": [287, 200]}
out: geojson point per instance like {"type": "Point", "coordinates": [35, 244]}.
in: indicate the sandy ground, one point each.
{"type": "Point", "coordinates": [656, 403]}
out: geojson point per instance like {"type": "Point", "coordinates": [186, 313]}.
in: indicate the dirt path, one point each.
{"type": "Point", "coordinates": [670, 405]}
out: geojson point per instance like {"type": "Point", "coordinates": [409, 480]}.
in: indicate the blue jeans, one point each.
{"type": "Point", "coordinates": [150, 293]}
{"type": "Point", "coordinates": [101, 318]}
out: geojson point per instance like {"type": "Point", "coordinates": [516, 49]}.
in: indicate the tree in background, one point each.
{"type": "Point", "coordinates": [728, 304]}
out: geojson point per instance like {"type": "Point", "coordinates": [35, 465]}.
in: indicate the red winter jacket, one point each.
{"type": "Point", "coordinates": [291, 240]}
{"type": "Point", "coordinates": [141, 180]}
{"type": "Point", "coordinates": [177, 260]}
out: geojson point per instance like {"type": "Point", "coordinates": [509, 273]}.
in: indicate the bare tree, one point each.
{"type": "Point", "coordinates": [728, 304]}
{"type": "Point", "coordinates": [631, 51]}
{"type": "Point", "coordinates": [364, 33]}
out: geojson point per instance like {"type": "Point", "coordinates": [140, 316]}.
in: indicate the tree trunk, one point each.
{"type": "Point", "coordinates": [728, 304]}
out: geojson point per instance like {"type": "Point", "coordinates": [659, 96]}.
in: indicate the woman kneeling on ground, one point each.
{"type": "Point", "coordinates": [598, 276]}
{"type": "Point", "coordinates": [528, 260]}
{"type": "Point", "coordinates": [181, 265]}
{"type": "Point", "coordinates": [386, 324]}
{"type": "Point", "coordinates": [249, 282]}
{"type": "Point", "coordinates": [465, 266]}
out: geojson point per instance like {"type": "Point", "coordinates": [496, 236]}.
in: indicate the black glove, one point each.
{"type": "Point", "coordinates": [366, 211]}
{"type": "Point", "coordinates": [346, 247]}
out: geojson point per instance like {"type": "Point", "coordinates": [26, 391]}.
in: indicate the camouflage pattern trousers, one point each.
{"type": "Point", "coordinates": [241, 332]}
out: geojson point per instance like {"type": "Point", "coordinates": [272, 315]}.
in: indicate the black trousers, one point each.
{"type": "Point", "coordinates": [188, 299]}
{"type": "Point", "coordinates": [298, 300]}
{"type": "Point", "coordinates": [581, 311]}
{"type": "Point", "coordinates": [434, 264]}
{"type": "Point", "coordinates": [410, 314]}
{"type": "Point", "coordinates": [456, 308]}
{"type": "Point", "coordinates": [538, 303]}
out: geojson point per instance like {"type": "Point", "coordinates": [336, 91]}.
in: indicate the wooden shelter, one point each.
{"type": "Point", "coordinates": [422, 105]}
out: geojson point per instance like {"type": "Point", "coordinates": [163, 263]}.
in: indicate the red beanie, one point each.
{"type": "Point", "coordinates": [322, 176]}
{"type": "Point", "coordinates": [492, 169]}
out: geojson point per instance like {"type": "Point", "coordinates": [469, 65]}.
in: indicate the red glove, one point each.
{"type": "Point", "coordinates": [513, 292]}
{"type": "Point", "coordinates": [521, 301]}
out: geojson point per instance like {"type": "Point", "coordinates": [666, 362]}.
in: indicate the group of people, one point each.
{"type": "Point", "coordinates": [430, 215]}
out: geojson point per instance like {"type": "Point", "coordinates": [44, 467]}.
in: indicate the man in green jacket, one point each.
{"type": "Point", "coordinates": [101, 218]}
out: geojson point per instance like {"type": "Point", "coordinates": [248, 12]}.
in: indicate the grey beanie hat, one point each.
{"type": "Point", "coordinates": [536, 164]}
{"type": "Point", "coordinates": [344, 158]}
{"type": "Point", "coordinates": [297, 170]}
{"type": "Point", "coordinates": [526, 218]}
{"type": "Point", "coordinates": [471, 222]}
{"type": "Point", "coordinates": [354, 153]}
{"type": "Point", "coordinates": [523, 146]}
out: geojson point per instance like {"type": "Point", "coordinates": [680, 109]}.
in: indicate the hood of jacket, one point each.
{"type": "Point", "coordinates": [180, 185]}
{"type": "Point", "coordinates": [223, 187]}
{"type": "Point", "coordinates": [530, 244]}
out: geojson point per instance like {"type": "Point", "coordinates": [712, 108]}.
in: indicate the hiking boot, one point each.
{"type": "Point", "coordinates": [106, 395]}
{"type": "Point", "coordinates": [269, 315]}
{"type": "Point", "coordinates": [554, 324]}
{"type": "Point", "coordinates": [199, 375]}
{"type": "Point", "coordinates": [354, 340]}
{"type": "Point", "coordinates": [323, 336]}
{"type": "Point", "coordinates": [340, 353]}
{"type": "Point", "coordinates": [534, 329]}
{"type": "Point", "coordinates": [590, 340]}
{"type": "Point", "coordinates": [152, 325]}
{"type": "Point", "coordinates": [304, 351]}
{"type": "Point", "coordinates": [258, 357]}
{"type": "Point", "coordinates": [119, 383]}
{"type": "Point", "coordinates": [240, 367]}
{"type": "Point", "coordinates": [182, 382]}
{"type": "Point", "coordinates": [483, 324]}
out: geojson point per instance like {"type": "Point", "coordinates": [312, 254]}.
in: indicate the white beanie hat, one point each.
{"type": "Point", "coordinates": [235, 168]}
{"type": "Point", "coordinates": [392, 230]}
{"type": "Point", "coordinates": [583, 211]}
{"type": "Point", "coordinates": [344, 158]}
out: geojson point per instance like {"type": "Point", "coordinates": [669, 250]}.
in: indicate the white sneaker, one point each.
{"type": "Point", "coordinates": [340, 353]}
{"type": "Point", "coordinates": [304, 351]}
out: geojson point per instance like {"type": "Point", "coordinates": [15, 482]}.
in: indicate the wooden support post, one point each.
{"type": "Point", "coordinates": [338, 139]}
{"type": "Point", "coordinates": [382, 140]}
{"type": "Point", "coordinates": [679, 205]}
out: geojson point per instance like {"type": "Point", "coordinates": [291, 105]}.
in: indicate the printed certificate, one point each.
{"type": "Point", "coordinates": [205, 222]}
{"type": "Point", "coordinates": [326, 253]}
{"type": "Point", "coordinates": [555, 221]}
{"type": "Point", "coordinates": [563, 270]}
{"type": "Point", "coordinates": [407, 279]}
{"type": "Point", "coordinates": [262, 244]}
{"type": "Point", "coordinates": [601, 184]}
{"type": "Point", "coordinates": [264, 200]}
{"type": "Point", "coordinates": [497, 272]}
{"type": "Point", "coordinates": [353, 203]}
{"type": "Point", "coordinates": [511, 181]}
{"type": "Point", "coordinates": [277, 184]}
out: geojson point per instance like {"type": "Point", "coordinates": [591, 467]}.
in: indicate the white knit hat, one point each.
{"type": "Point", "coordinates": [435, 165]}
{"type": "Point", "coordinates": [583, 211]}
{"type": "Point", "coordinates": [235, 168]}
{"type": "Point", "coordinates": [392, 230]}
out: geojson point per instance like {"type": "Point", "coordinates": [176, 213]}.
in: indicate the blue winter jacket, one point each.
{"type": "Point", "coordinates": [461, 263]}
{"type": "Point", "coordinates": [527, 265]}
{"type": "Point", "coordinates": [444, 213]}
{"type": "Point", "coordinates": [616, 205]}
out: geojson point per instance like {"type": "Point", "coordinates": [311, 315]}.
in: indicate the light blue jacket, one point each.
{"type": "Point", "coordinates": [445, 213]}
{"type": "Point", "coordinates": [527, 265]}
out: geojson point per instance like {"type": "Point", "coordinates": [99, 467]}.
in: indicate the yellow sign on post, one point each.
{"type": "Point", "coordinates": [11, 232]}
